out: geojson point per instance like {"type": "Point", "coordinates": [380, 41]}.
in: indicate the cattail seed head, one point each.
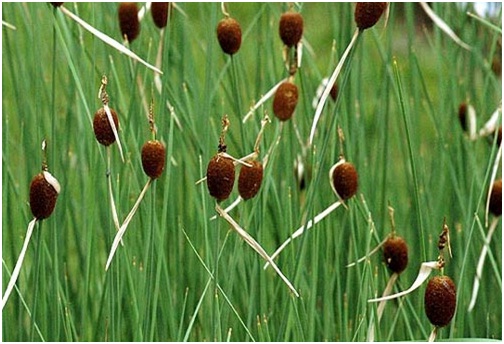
{"type": "Point", "coordinates": [440, 300]}
{"type": "Point", "coordinates": [495, 205]}
{"type": "Point", "coordinates": [44, 190]}
{"type": "Point", "coordinates": [462, 115]}
{"type": "Point", "coordinates": [344, 180]}
{"type": "Point", "coordinates": [367, 14]}
{"type": "Point", "coordinates": [334, 91]}
{"type": "Point", "coordinates": [102, 129]}
{"type": "Point", "coordinates": [153, 158]}
{"type": "Point", "coordinates": [229, 35]}
{"type": "Point", "coordinates": [159, 11]}
{"type": "Point", "coordinates": [128, 20]}
{"type": "Point", "coordinates": [220, 177]}
{"type": "Point", "coordinates": [291, 28]}
{"type": "Point", "coordinates": [56, 4]}
{"type": "Point", "coordinates": [395, 253]}
{"type": "Point", "coordinates": [250, 179]}
{"type": "Point", "coordinates": [285, 100]}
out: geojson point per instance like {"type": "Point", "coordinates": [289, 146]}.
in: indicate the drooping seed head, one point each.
{"type": "Point", "coordinates": [159, 11]}
{"type": "Point", "coordinates": [440, 300]}
{"type": "Point", "coordinates": [128, 20]}
{"type": "Point", "coordinates": [220, 177]}
{"type": "Point", "coordinates": [44, 190]}
{"type": "Point", "coordinates": [102, 129]}
{"type": "Point", "coordinates": [229, 35]}
{"type": "Point", "coordinates": [291, 28]}
{"type": "Point", "coordinates": [495, 205]}
{"type": "Point", "coordinates": [367, 14]}
{"type": "Point", "coordinates": [285, 100]}
{"type": "Point", "coordinates": [344, 180]}
{"type": "Point", "coordinates": [250, 179]}
{"type": "Point", "coordinates": [153, 158]}
{"type": "Point", "coordinates": [395, 253]}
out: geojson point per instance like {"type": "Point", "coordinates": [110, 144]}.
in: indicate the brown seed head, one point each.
{"type": "Point", "coordinates": [440, 300]}
{"type": "Point", "coordinates": [345, 180]}
{"type": "Point", "coordinates": [56, 4]}
{"type": "Point", "coordinates": [229, 35]}
{"type": "Point", "coordinates": [128, 20]}
{"type": "Point", "coordinates": [285, 100]}
{"type": "Point", "coordinates": [496, 198]}
{"type": "Point", "coordinates": [220, 177]}
{"type": "Point", "coordinates": [367, 14]}
{"type": "Point", "coordinates": [102, 129]}
{"type": "Point", "coordinates": [291, 28]}
{"type": "Point", "coordinates": [43, 195]}
{"type": "Point", "coordinates": [159, 11]}
{"type": "Point", "coordinates": [153, 158]}
{"type": "Point", "coordinates": [334, 91]}
{"type": "Point", "coordinates": [395, 253]}
{"type": "Point", "coordinates": [462, 115]}
{"type": "Point", "coordinates": [250, 179]}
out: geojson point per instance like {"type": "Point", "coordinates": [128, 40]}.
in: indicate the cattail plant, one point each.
{"type": "Point", "coordinates": [467, 119]}
{"type": "Point", "coordinates": [366, 15]}
{"type": "Point", "coordinates": [44, 191]}
{"type": "Point", "coordinates": [153, 163]}
{"type": "Point", "coordinates": [285, 100]}
{"type": "Point", "coordinates": [440, 294]}
{"type": "Point", "coordinates": [344, 181]}
{"type": "Point", "coordinates": [290, 29]}
{"type": "Point", "coordinates": [229, 33]}
{"type": "Point", "coordinates": [160, 12]}
{"type": "Point", "coordinates": [128, 20]}
{"type": "Point", "coordinates": [106, 39]}
{"type": "Point", "coordinates": [220, 181]}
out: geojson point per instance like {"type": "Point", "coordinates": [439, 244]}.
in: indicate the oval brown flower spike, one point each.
{"type": "Point", "coordinates": [440, 300]}
{"type": "Point", "coordinates": [229, 35]}
{"type": "Point", "coordinates": [345, 180]}
{"type": "Point", "coordinates": [101, 126]}
{"type": "Point", "coordinates": [495, 205]}
{"type": "Point", "coordinates": [395, 253]}
{"type": "Point", "coordinates": [159, 11]}
{"type": "Point", "coordinates": [285, 100]}
{"type": "Point", "coordinates": [291, 28]}
{"type": "Point", "coordinates": [250, 179]}
{"type": "Point", "coordinates": [44, 190]}
{"type": "Point", "coordinates": [128, 20]}
{"type": "Point", "coordinates": [153, 158]}
{"type": "Point", "coordinates": [367, 14]}
{"type": "Point", "coordinates": [220, 177]}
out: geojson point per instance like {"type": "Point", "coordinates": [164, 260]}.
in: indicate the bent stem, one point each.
{"type": "Point", "coordinates": [111, 194]}
{"type": "Point", "coordinates": [110, 41]}
{"type": "Point", "coordinates": [19, 262]}
{"type": "Point", "coordinates": [125, 224]}
{"type": "Point", "coordinates": [481, 262]}
{"type": "Point", "coordinates": [255, 245]}
{"type": "Point", "coordinates": [373, 251]}
{"type": "Point", "coordinates": [381, 307]}
{"type": "Point", "coordinates": [329, 85]}
{"type": "Point", "coordinates": [301, 229]}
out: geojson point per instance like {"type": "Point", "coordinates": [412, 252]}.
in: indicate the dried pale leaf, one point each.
{"type": "Point", "coordinates": [423, 274]}
{"type": "Point", "coordinates": [443, 26]}
{"type": "Point", "coordinates": [329, 85]}
{"type": "Point", "coordinates": [230, 207]}
{"type": "Point", "coordinates": [301, 229]}
{"type": "Point", "coordinates": [19, 262]}
{"type": "Point", "coordinates": [261, 101]}
{"type": "Point", "coordinates": [381, 306]}
{"type": "Point", "coordinates": [492, 124]}
{"type": "Point", "coordinates": [114, 129]}
{"type": "Point", "coordinates": [493, 176]}
{"type": "Point", "coordinates": [9, 26]}
{"type": "Point", "coordinates": [110, 41]}
{"type": "Point", "coordinates": [373, 251]}
{"type": "Point", "coordinates": [125, 224]}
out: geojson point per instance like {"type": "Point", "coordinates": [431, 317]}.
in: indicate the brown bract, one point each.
{"type": "Point", "coordinates": [345, 180]}
{"type": "Point", "coordinates": [440, 300]}
{"type": "Point", "coordinates": [367, 14]}
{"type": "Point", "coordinates": [159, 11]}
{"type": "Point", "coordinates": [250, 179]}
{"type": "Point", "coordinates": [153, 158]}
{"type": "Point", "coordinates": [395, 253]}
{"type": "Point", "coordinates": [285, 100]}
{"type": "Point", "coordinates": [220, 177]}
{"type": "Point", "coordinates": [496, 198]}
{"type": "Point", "coordinates": [291, 28]}
{"type": "Point", "coordinates": [229, 35]}
{"type": "Point", "coordinates": [102, 129]}
{"type": "Point", "coordinates": [128, 20]}
{"type": "Point", "coordinates": [42, 197]}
